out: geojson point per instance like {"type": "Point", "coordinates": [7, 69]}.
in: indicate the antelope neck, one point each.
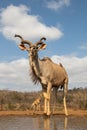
{"type": "Point", "coordinates": [34, 64]}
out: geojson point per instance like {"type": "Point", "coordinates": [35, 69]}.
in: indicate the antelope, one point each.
{"type": "Point", "coordinates": [45, 71]}
{"type": "Point", "coordinates": [36, 104]}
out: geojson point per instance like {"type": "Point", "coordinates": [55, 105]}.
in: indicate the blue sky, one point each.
{"type": "Point", "coordinates": [62, 22]}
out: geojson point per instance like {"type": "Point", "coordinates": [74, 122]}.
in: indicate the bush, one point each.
{"type": "Point", "coordinates": [13, 100]}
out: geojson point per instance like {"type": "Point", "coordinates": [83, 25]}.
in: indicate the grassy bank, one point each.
{"type": "Point", "coordinates": [19, 101]}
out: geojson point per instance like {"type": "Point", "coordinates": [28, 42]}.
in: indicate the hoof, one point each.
{"type": "Point", "coordinates": [45, 112]}
{"type": "Point", "coordinates": [66, 114]}
{"type": "Point", "coordinates": [48, 114]}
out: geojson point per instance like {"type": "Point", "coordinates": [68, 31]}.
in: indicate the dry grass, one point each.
{"type": "Point", "coordinates": [18, 101]}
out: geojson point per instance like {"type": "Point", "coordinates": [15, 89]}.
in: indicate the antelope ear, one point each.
{"type": "Point", "coordinates": [43, 46]}
{"type": "Point", "coordinates": [22, 47]}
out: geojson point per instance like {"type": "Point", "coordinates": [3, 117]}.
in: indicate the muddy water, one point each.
{"type": "Point", "coordinates": [43, 123]}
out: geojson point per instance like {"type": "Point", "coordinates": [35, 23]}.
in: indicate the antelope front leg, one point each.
{"type": "Point", "coordinates": [48, 108]}
{"type": "Point", "coordinates": [45, 99]}
{"type": "Point", "coordinates": [46, 94]}
{"type": "Point", "coordinates": [45, 105]}
{"type": "Point", "coordinates": [48, 98]}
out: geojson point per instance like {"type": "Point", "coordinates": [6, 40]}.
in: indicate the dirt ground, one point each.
{"type": "Point", "coordinates": [32, 113]}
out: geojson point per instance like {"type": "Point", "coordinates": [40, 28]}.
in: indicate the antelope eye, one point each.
{"type": "Point", "coordinates": [34, 48]}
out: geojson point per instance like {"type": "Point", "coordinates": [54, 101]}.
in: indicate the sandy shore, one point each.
{"type": "Point", "coordinates": [32, 113]}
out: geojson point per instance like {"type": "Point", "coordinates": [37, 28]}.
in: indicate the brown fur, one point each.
{"type": "Point", "coordinates": [46, 72]}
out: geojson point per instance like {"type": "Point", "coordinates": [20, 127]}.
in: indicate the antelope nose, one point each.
{"type": "Point", "coordinates": [30, 54]}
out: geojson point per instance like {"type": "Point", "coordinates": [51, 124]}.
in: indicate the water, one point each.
{"type": "Point", "coordinates": [43, 123]}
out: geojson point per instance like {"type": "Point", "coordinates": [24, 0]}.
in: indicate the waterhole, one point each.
{"type": "Point", "coordinates": [43, 123]}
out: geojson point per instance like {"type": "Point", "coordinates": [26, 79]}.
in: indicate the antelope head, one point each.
{"type": "Point", "coordinates": [31, 48]}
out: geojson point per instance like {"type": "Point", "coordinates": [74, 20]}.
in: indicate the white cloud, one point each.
{"type": "Point", "coordinates": [57, 4]}
{"type": "Point", "coordinates": [18, 20]}
{"type": "Point", "coordinates": [14, 75]}
{"type": "Point", "coordinates": [83, 47]}
{"type": "Point", "coordinates": [76, 68]}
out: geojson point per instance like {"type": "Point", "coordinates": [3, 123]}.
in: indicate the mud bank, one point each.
{"type": "Point", "coordinates": [73, 112]}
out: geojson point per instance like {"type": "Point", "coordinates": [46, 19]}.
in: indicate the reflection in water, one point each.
{"type": "Point", "coordinates": [65, 123]}
{"type": "Point", "coordinates": [47, 123]}
{"type": "Point", "coordinates": [54, 123]}
{"type": "Point", "coordinates": [43, 123]}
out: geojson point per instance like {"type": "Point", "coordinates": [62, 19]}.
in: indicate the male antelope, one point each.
{"type": "Point", "coordinates": [45, 71]}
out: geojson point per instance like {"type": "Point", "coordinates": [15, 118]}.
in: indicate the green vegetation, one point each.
{"type": "Point", "coordinates": [13, 100]}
